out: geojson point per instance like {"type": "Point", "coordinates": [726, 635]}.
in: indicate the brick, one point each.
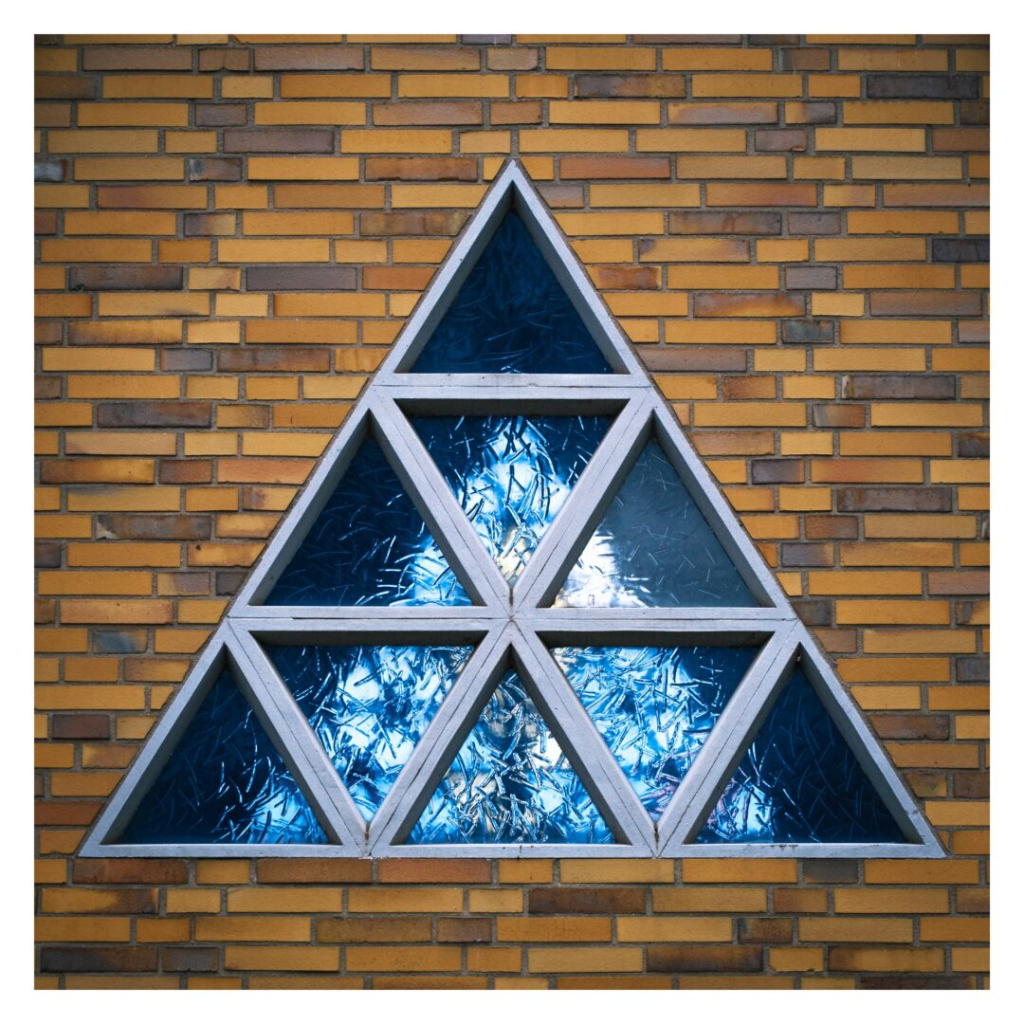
{"type": "Point", "coordinates": [587, 901]}
{"type": "Point", "coordinates": [704, 958]}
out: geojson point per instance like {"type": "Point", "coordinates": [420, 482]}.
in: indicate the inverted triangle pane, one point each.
{"type": "Point", "coordinates": [368, 706]}
{"type": "Point", "coordinates": [511, 474]}
{"type": "Point", "coordinates": [654, 706]}
{"type": "Point", "coordinates": [511, 316]}
{"type": "Point", "coordinates": [224, 783]}
{"type": "Point", "coordinates": [800, 783]}
{"type": "Point", "coordinates": [368, 546]}
{"type": "Point", "coordinates": [654, 548]}
{"type": "Point", "coordinates": [511, 782]}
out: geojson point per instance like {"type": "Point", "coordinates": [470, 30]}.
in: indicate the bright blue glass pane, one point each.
{"type": "Point", "coordinates": [654, 706]}
{"type": "Point", "coordinates": [368, 546]}
{"type": "Point", "coordinates": [224, 783]}
{"type": "Point", "coordinates": [511, 316]}
{"type": "Point", "coordinates": [654, 549]}
{"type": "Point", "coordinates": [510, 783]}
{"type": "Point", "coordinates": [800, 783]}
{"type": "Point", "coordinates": [369, 706]}
{"type": "Point", "coordinates": [511, 474]}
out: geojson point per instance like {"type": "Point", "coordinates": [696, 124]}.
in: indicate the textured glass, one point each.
{"type": "Point", "coordinates": [511, 316]}
{"type": "Point", "coordinates": [653, 549]}
{"type": "Point", "coordinates": [511, 474]}
{"type": "Point", "coordinates": [654, 706]}
{"type": "Point", "coordinates": [800, 783]}
{"type": "Point", "coordinates": [369, 706]}
{"type": "Point", "coordinates": [224, 783]}
{"type": "Point", "coordinates": [369, 546]}
{"type": "Point", "coordinates": [511, 783]}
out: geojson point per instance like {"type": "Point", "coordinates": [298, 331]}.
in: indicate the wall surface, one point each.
{"type": "Point", "coordinates": [231, 231]}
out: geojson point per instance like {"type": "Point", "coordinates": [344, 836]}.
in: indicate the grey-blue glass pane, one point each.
{"type": "Point", "coordinates": [224, 783]}
{"type": "Point", "coordinates": [654, 549]}
{"type": "Point", "coordinates": [368, 546]}
{"type": "Point", "coordinates": [510, 782]}
{"type": "Point", "coordinates": [800, 783]}
{"type": "Point", "coordinates": [369, 706]}
{"type": "Point", "coordinates": [511, 474]}
{"type": "Point", "coordinates": [511, 316]}
{"type": "Point", "coordinates": [654, 706]}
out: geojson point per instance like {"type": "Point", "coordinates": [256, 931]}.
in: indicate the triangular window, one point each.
{"type": "Point", "coordinates": [511, 614]}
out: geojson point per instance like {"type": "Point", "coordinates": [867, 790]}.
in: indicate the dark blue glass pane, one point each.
{"type": "Point", "coordinates": [511, 474]}
{"type": "Point", "coordinates": [511, 316]}
{"type": "Point", "coordinates": [800, 783]}
{"type": "Point", "coordinates": [654, 549]}
{"type": "Point", "coordinates": [369, 546]}
{"type": "Point", "coordinates": [369, 706]}
{"type": "Point", "coordinates": [511, 783]}
{"type": "Point", "coordinates": [224, 783]}
{"type": "Point", "coordinates": [655, 706]}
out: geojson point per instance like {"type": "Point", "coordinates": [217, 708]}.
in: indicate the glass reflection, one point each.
{"type": "Point", "coordinates": [369, 706]}
{"type": "Point", "coordinates": [800, 783]}
{"type": "Point", "coordinates": [511, 474]}
{"type": "Point", "coordinates": [224, 783]}
{"type": "Point", "coordinates": [368, 546]}
{"type": "Point", "coordinates": [510, 783]}
{"type": "Point", "coordinates": [511, 316]}
{"type": "Point", "coordinates": [654, 706]}
{"type": "Point", "coordinates": [654, 548]}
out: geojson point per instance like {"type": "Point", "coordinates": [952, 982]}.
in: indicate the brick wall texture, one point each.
{"type": "Point", "coordinates": [793, 230]}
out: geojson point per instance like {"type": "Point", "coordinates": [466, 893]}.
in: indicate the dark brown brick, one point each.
{"type": "Point", "coordinates": [146, 197]}
{"type": "Point", "coordinates": [150, 279]}
{"type": "Point", "coordinates": [229, 582]}
{"type": "Point", "coordinates": [120, 870]}
{"type": "Point", "coordinates": [723, 112]}
{"type": "Point", "coordinates": [47, 388]}
{"type": "Point", "coordinates": [190, 959]}
{"type": "Point", "coordinates": [308, 58]}
{"type": "Point", "coordinates": [137, 58]}
{"type": "Point", "coordinates": [318, 869]}
{"type": "Point", "coordinates": [963, 582]}
{"type": "Point", "coordinates": [373, 929]}
{"type": "Point", "coordinates": [268, 359]}
{"type": "Point", "coordinates": [464, 929]}
{"type": "Point", "coordinates": [153, 414]}
{"type": "Point", "coordinates": [587, 901]}
{"type": "Point", "coordinates": [64, 87]}
{"type": "Point", "coordinates": [410, 58]}
{"type": "Point", "coordinates": [973, 446]}
{"type": "Point", "coordinates": [902, 386]}
{"type": "Point", "coordinates": [687, 222]}
{"type": "Point", "coordinates": [601, 167]}
{"type": "Point", "coordinates": [974, 112]}
{"type": "Point", "coordinates": [97, 960]}
{"type": "Point", "coordinates": [47, 554]}
{"type": "Point", "coordinates": [913, 982]}
{"type": "Point", "coordinates": [910, 727]}
{"type": "Point", "coordinates": [804, 60]}
{"type": "Point", "coordinates": [853, 416]}
{"type": "Point", "coordinates": [614, 277]}
{"type": "Point", "coordinates": [396, 278]}
{"type": "Point", "coordinates": [830, 527]}
{"type": "Point", "coordinates": [194, 360]}
{"type": "Point", "coordinates": [812, 278]}
{"type": "Point", "coordinates": [830, 871]}
{"type": "Point", "coordinates": [445, 112]}
{"type": "Point", "coordinates": [80, 727]}
{"type": "Point", "coordinates": [960, 250]}
{"type": "Point", "coordinates": [760, 931]}
{"type": "Point", "coordinates": [48, 332]}
{"type": "Point", "coordinates": [801, 223]}
{"type": "Point", "coordinates": [220, 115]}
{"type": "Point", "coordinates": [434, 222]}
{"type": "Point", "coordinates": [414, 168]}
{"type": "Point", "coordinates": [689, 959]}
{"type": "Point", "coordinates": [200, 224]}
{"type": "Point", "coordinates": [922, 87]}
{"type": "Point", "coordinates": [960, 140]}
{"type": "Point", "coordinates": [776, 39]}
{"type": "Point", "coordinates": [684, 359]}
{"type": "Point", "coordinates": [216, 59]}
{"type": "Point", "coordinates": [45, 611]}
{"type": "Point", "coordinates": [186, 471]}
{"type": "Point", "coordinates": [66, 812]}
{"type": "Point", "coordinates": [279, 140]}
{"type": "Point", "coordinates": [45, 222]}
{"type": "Point", "coordinates": [782, 140]}
{"type": "Point", "coordinates": [894, 499]}
{"type": "Point", "coordinates": [516, 112]}
{"type": "Point", "coordinates": [814, 613]}
{"type": "Point", "coordinates": [777, 471]}
{"type": "Point", "coordinates": [809, 555]}
{"type": "Point", "coordinates": [289, 278]}
{"type": "Point", "coordinates": [603, 86]}
{"type": "Point", "coordinates": [202, 168]}
{"type": "Point", "coordinates": [971, 786]}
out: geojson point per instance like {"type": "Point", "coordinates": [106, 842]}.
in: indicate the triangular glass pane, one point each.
{"type": "Point", "coordinates": [368, 706]}
{"type": "Point", "coordinates": [800, 783]}
{"type": "Point", "coordinates": [225, 782]}
{"type": "Point", "coordinates": [654, 706]}
{"type": "Point", "coordinates": [511, 474]}
{"type": "Point", "coordinates": [654, 549]}
{"type": "Point", "coordinates": [368, 546]}
{"type": "Point", "coordinates": [511, 316]}
{"type": "Point", "coordinates": [511, 782]}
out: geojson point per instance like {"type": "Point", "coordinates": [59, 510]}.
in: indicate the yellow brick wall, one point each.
{"type": "Point", "coordinates": [793, 231]}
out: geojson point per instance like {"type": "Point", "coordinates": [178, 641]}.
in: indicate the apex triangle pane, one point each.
{"type": "Point", "coordinates": [511, 474]}
{"type": "Point", "coordinates": [654, 548]}
{"type": "Point", "coordinates": [368, 706]}
{"type": "Point", "coordinates": [511, 782]}
{"type": "Point", "coordinates": [368, 546]}
{"type": "Point", "coordinates": [654, 706]}
{"type": "Point", "coordinates": [225, 782]}
{"type": "Point", "coordinates": [511, 316]}
{"type": "Point", "coordinates": [799, 782]}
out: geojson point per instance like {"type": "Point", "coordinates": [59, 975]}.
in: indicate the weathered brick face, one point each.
{"type": "Point", "coordinates": [793, 232]}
